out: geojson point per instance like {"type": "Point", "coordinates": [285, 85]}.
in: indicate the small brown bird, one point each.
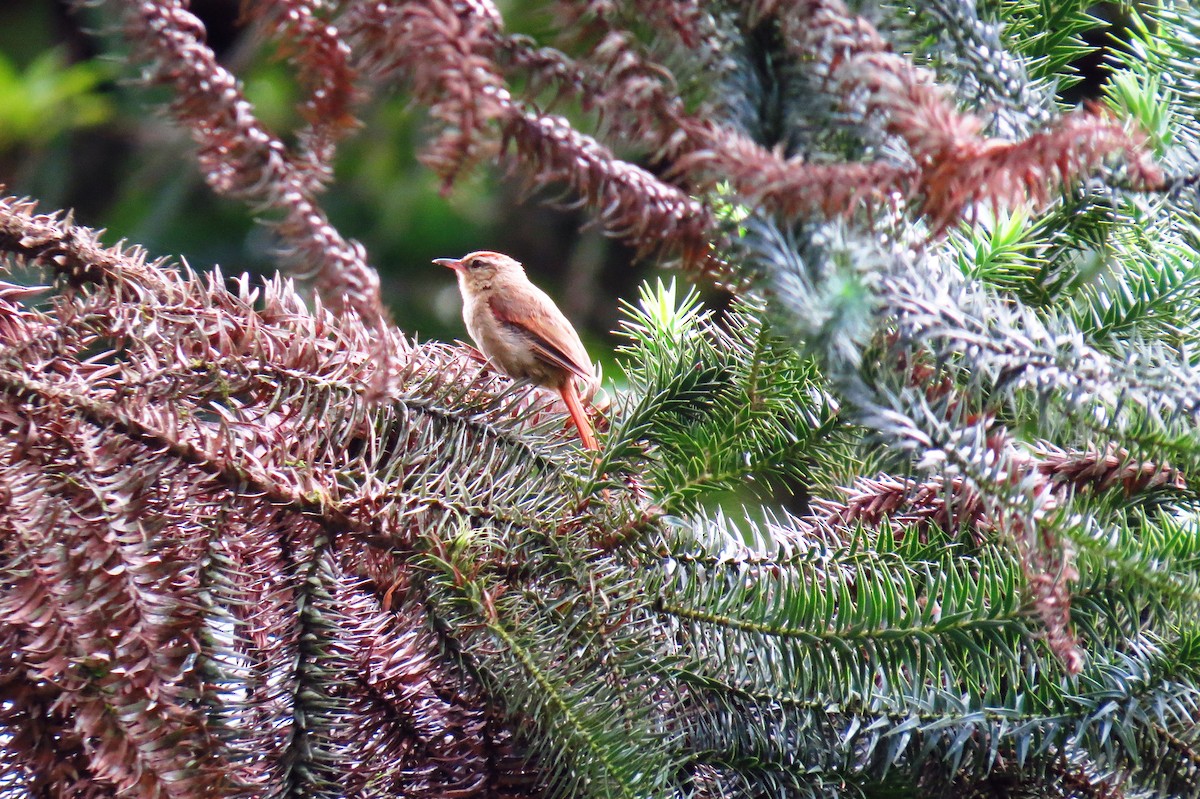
{"type": "Point", "coordinates": [521, 330]}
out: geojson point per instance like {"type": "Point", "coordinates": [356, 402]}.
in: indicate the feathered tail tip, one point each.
{"type": "Point", "coordinates": [579, 416]}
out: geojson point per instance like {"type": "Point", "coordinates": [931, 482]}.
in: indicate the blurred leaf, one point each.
{"type": "Point", "coordinates": [49, 97]}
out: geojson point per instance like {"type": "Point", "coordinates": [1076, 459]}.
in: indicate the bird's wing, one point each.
{"type": "Point", "coordinates": [556, 344]}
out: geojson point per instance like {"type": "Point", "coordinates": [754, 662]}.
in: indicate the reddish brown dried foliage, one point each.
{"type": "Point", "coordinates": [240, 157]}
{"type": "Point", "coordinates": [638, 101]}
{"type": "Point", "coordinates": [182, 535]}
{"type": "Point", "coordinates": [1049, 475]}
{"type": "Point", "coordinates": [455, 56]}
{"type": "Point", "coordinates": [449, 49]}
{"type": "Point", "coordinates": [919, 505]}
{"type": "Point", "coordinates": [322, 56]}
{"type": "Point", "coordinates": [171, 511]}
{"type": "Point", "coordinates": [956, 167]}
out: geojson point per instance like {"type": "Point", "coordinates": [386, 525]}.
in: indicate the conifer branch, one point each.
{"type": "Point", "coordinates": [203, 455]}
{"type": "Point", "coordinates": [948, 505]}
{"type": "Point", "coordinates": [322, 559]}
{"type": "Point", "coordinates": [957, 166]}
{"type": "Point", "coordinates": [241, 158]}
{"type": "Point", "coordinates": [639, 102]}
{"type": "Point", "coordinates": [323, 59]}
{"type": "Point", "coordinates": [449, 50]}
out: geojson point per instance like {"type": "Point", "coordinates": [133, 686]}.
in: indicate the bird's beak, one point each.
{"type": "Point", "coordinates": [449, 263]}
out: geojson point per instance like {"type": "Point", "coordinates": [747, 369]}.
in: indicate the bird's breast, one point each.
{"type": "Point", "coordinates": [507, 346]}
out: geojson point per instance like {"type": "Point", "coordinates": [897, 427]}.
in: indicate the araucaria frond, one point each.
{"type": "Point", "coordinates": [915, 513]}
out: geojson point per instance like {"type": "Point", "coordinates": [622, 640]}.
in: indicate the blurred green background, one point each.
{"type": "Point", "coordinates": [78, 131]}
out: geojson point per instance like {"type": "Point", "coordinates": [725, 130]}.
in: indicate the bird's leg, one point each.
{"type": "Point", "coordinates": [571, 397]}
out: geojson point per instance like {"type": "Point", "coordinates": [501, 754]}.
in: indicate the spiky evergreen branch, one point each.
{"type": "Point", "coordinates": [733, 427]}
{"type": "Point", "coordinates": [172, 387]}
{"type": "Point", "coordinates": [1015, 601]}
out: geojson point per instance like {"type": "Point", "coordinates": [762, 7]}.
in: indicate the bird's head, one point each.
{"type": "Point", "coordinates": [481, 268]}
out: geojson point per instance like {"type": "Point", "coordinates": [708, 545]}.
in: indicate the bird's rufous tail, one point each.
{"type": "Point", "coordinates": [578, 416]}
